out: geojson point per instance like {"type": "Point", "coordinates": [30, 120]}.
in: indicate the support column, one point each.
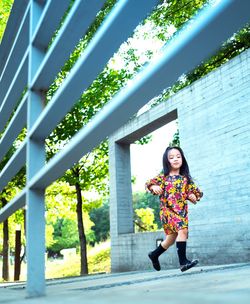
{"type": "Point", "coordinates": [35, 220]}
{"type": "Point", "coordinates": [121, 208]}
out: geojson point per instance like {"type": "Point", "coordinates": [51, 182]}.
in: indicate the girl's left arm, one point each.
{"type": "Point", "coordinates": [193, 189]}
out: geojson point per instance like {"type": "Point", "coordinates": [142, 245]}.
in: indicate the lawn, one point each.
{"type": "Point", "coordinates": [98, 262]}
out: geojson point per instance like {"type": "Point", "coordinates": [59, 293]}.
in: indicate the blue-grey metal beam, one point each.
{"type": "Point", "coordinates": [16, 162]}
{"type": "Point", "coordinates": [13, 26]}
{"type": "Point", "coordinates": [194, 44]}
{"type": "Point", "coordinates": [16, 53]}
{"type": "Point", "coordinates": [114, 30]}
{"type": "Point", "coordinates": [15, 126]}
{"type": "Point", "coordinates": [80, 17]}
{"type": "Point", "coordinates": [15, 204]}
{"type": "Point", "coordinates": [16, 88]}
{"type": "Point", "coordinates": [49, 22]}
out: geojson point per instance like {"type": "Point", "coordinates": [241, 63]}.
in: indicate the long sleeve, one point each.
{"type": "Point", "coordinates": [158, 180]}
{"type": "Point", "coordinates": [192, 188]}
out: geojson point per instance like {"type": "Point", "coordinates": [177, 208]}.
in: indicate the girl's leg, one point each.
{"type": "Point", "coordinates": [182, 235]}
{"type": "Point", "coordinates": [154, 255]}
{"type": "Point", "coordinates": [181, 244]}
{"type": "Point", "coordinates": [169, 241]}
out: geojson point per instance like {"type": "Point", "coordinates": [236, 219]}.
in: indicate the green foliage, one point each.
{"type": "Point", "coordinates": [144, 220]}
{"type": "Point", "coordinates": [133, 180]}
{"type": "Point", "coordinates": [49, 235]}
{"type": "Point", "coordinates": [100, 262]}
{"type": "Point", "coordinates": [5, 8]}
{"type": "Point", "coordinates": [147, 200]}
{"type": "Point", "coordinates": [174, 13]}
{"type": "Point", "coordinates": [7, 194]}
{"type": "Point", "coordinates": [18, 181]}
{"type": "Point", "coordinates": [176, 140]}
{"type": "Point", "coordinates": [144, 140]}
{"type": "Point", "coordinates": [91, 170]}
{"type": "Point", "coordinates": [61, 218]}
{"type": "Point", "coordinates": [235, 45]}
{"type": "Point", "coordinates": [13, 220]}
{"type": "Point", "coordinates": [56, 268]}
{"type": "Point", "coordinates": [60, 202]}
{"type": "Point", "coordinates": [65, 234]}
{"type": "Point", "coordinates": [100, 217]}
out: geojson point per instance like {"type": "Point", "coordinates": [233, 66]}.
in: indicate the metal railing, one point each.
{"type": "Point", "coordinates": [26, 63]}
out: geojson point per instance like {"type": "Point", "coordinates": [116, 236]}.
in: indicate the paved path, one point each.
{"type": "Point", "coordinates": [229, 284]}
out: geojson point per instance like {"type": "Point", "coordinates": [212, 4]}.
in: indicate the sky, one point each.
{"type": "Point", "coordinates": [146, 160]}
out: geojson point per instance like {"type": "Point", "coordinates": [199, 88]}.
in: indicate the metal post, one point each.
{"type": "Point", "coordinates": [35, 222]}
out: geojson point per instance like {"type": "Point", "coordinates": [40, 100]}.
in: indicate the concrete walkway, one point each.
{"type": "Point", "coordinates": [229, 284]}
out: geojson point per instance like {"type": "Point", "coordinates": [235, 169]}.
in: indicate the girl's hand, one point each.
{"type": "Point", "coordinates": [156, 189]}
{"type": "Point", "coordinates": [192, 198]}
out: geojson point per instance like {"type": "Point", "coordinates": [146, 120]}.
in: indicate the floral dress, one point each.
{"type": "Point", "coordinates": [173, 204]}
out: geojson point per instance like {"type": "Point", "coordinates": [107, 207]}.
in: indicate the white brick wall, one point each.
{"type": "Point", "coordinates": [213, 115]}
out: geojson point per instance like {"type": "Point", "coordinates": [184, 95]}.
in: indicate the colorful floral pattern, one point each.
{"type": "Point", "coordinates": [173, 204]}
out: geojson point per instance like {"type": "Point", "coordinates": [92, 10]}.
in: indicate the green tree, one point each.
{"type": "Point", "coordinates": [89, 174]}
{"type": "Point", "coordinates": [18, 182]}
{"type": "Point", "coordinates": [144, 220]}
{"type": "Point", "coordinates": [6, 195]}
{"type": "Point", "coordinates": [100, 216]}
{"type": "Point", "coordinates": [147, 200]}
{"type": "Point", "coordinates": [65, 235]}
{"type": "Point", "coordinates": [5, 8]}
{"type": "Point", "coordinates": [176, 140]}
{"type": "Point", "coordinates": [9, 225]}
{"type": "Point", "coordinates": [172, 16]}
{"type": "Point", "coordinates": [91, 171]}
{"type": "Point", "coordinates": [61, 216]}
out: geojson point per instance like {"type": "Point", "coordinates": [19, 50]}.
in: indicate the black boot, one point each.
{"type": "Point", "coordinates": [185, 264]}
{"type": "Point", "coordinates": [154, 255]}
{"type": "Point", "coordinates": [189, 265]}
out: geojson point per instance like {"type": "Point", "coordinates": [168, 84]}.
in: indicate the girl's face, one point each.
{"type": "Point", "coordinates": [175, 159]}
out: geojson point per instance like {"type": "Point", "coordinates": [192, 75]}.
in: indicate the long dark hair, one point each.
{"type": "Point", "coordinates": [184, 169]}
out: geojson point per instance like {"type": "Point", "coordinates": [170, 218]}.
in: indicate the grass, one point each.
{"type": "Point", "coordinates": [98, 262]}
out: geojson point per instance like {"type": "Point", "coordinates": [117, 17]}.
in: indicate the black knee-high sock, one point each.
{"type": "Point", "coordinates": [181, 250]}
{"type": "Point", "coordinates": [158, 251]}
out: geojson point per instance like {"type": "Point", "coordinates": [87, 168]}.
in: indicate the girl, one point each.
{"type": "Point", "coordinates": [174, 187]}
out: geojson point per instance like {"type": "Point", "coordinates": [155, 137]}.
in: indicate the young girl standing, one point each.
{"type": "Point", "coordinates": [174, 186]}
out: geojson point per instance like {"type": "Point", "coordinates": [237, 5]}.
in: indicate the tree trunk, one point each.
{"type": "Point", "coordinates": [5, 272]}
{"type": "Point", "coordinates": [82, 237]}
{"type": "Point", "coordinates": [24, 225]}
{"type": "Point", "coordinates": [18, 245]}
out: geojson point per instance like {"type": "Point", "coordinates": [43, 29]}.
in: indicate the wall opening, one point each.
{"type": "Point", "coordinates": [146, 162]}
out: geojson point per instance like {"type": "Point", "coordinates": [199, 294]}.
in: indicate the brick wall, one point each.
{"type": "Point", "coordinates": [213, 115]}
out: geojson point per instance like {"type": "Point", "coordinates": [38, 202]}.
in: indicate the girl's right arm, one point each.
{"type": "Point", "coordinates": [154, 185]}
